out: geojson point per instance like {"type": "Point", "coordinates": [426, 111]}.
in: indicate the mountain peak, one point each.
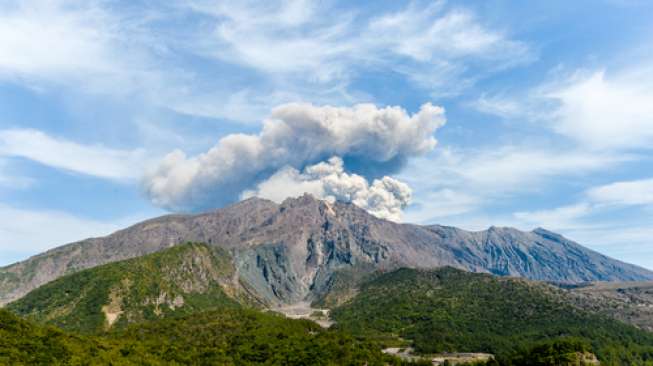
{"type": "Point", "coordinates": [305, 200]}
{"type": "Point", "coordinates": [251, 202]}
{"type": "Point", "coordinates": [290, 251]}
{"type": "Point", "coordinates": [541, 230]}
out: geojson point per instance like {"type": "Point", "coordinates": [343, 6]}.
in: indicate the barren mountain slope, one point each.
{"type": "Point", "coordinates": [288, 252]}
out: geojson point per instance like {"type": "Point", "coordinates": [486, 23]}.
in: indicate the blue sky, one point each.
{"type": "Point", "coordinates": [116, 111]}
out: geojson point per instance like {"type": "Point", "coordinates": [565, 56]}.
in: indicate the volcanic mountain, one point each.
{"type": "Point", "coordinates": [289, 252]}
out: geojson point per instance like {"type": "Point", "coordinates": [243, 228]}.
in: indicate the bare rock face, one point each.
{"type": "Point", "coordinates": [287, 253]}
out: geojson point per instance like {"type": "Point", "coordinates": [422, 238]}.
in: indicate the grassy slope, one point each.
{"type": "Point", "coordinates": [138, 289]}
{"type": "Point", "coordinates": [452, 310]}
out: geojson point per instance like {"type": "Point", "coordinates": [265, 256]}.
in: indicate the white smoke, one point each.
{"type": "Point", "coordinates": [384, 198]}
{"type": "Point", "coordinates": [371, 141]}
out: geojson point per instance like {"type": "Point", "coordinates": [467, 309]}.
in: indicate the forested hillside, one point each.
{"type": "Point", "coordinates": [181, 280]}
{"type": "Point", "coordinates": [226, 337]}
{"type": "Point", "coordinates": [452, 310]}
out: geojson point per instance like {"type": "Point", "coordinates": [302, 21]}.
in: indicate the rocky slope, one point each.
{"type": "Point", "coordinates": [289, 252]}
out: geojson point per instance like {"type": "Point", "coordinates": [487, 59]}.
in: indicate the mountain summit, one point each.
{"type": "Point", "coordinates": [289, 252]}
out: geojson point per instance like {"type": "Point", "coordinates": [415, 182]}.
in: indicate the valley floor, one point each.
{"type": "Point", "coordinates": [303, 310]}
{"type": "Point", "coordinates": [438, 358]}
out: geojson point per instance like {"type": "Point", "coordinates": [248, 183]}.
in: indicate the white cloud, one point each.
{"type": "Point", "coordinates": [607, 111]}
{"type": "Point", "coordinates": [78, 47]}
{"type": "Point", "coordinates": [28, 232]}
{"type": "Point", "coordinates": [266, 37]}
{"type": "Point", "coordinates": [373, 141]}
{"type": "Point", "coordinates": [384, 198]}
{"type": "Point", "coordinates": [428, 43]}
{"type": "Point", "coordinates": [429, 33]}
{"type": "Point", "coordinates": [596, 110]}
{"type": "Point", "coordinates": [603, 114]}
{"type": "Point", "coordinates": [509, 168]}
{"type": "Point", "coordinates": [461, 183]}
{"type": "Point", "coordinates": [84, 45]}
{"type": "Point", "coordinates": [596, 200]}
{"type": "Point", "coordinates": [95, 160]}
{"type": "Point", "coordinates": [499, 105]}
{"type": "Point", "coordinates": [636, 192]}
{"type": "Point", "coordinates": [559, 218]}
{"type": "Point", "coordinates": [140, 51]}
{"type": "Point", "coordinates": [442, 203]}
{"type": "Point", "coordinates": [46, 38]}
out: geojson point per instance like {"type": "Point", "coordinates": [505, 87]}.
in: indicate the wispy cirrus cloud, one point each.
{"type": "Point", "coordinates": [94, 160]}
{"type": "Point", "coordinates": [509, 168]}
{"type": "Point", "coordinates": [431, 44]}
{"type": "Point", "coordinates": [285, 49]}
{"type": "Point", "coordinates": [78, 44]}
{"type": "Point", "coordinates": [51, 41]}
{"type": "Point", "coordinates": [467, 181]}
{"type": "Point", "coordinates": [558, 218]}
{"type": "Point", "coordinates": [94, 48]}
{"type": "Point", "coordinates": [634, 192]}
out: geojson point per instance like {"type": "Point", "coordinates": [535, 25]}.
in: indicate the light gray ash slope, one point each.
{"type": "Point", "coordinates": [287, 253]}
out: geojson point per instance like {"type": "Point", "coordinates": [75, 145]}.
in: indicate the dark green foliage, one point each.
{"type": "Point", "coordinates": [435, 311]}
{"type": "Point", "coordinates": [451, 310]}
{"type": "Point", "coordinates": [24, 343]}
{"type": "Point", "coordinates": [248, 337]}
{"type": "Point", "coordinates": [565, 351]}
{"type": "Point", "coordinates": [229, 337]}
{"type": "Point", "coordinates": [557, 352]}
{"type": "Point", "coordinates": [192, 272]}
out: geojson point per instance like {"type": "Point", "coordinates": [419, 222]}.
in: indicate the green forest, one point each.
{"type": "Point", "coordinates": [432, 311]}
{"type": "Point", "coordinates": [448, 310]}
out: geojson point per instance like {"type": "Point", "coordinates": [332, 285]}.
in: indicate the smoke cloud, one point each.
{"type": "Point", "coordinates": [370, 143]}
{"type": "Point", "coordinates": [384, 198]}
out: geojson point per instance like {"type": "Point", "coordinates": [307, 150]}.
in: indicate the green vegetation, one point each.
{"type": "Point", "coordinates": [181, 280]}
{"type": "Point", "coordinates": [565, 351]}
{"type": "Point", "coordinates": [452, 310]}
{"type": "Point", "coordinates": [250, 337]}
{"type": "Point", "coordinates": [228, 337]}
{"type": "Point", "coordinates": [23, 343]}
{"type": "Point", "coordinates": [181, 306]}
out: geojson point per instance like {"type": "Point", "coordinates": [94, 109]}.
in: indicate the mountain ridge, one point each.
{"type": "Point", "coordinates": [288, 252]}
